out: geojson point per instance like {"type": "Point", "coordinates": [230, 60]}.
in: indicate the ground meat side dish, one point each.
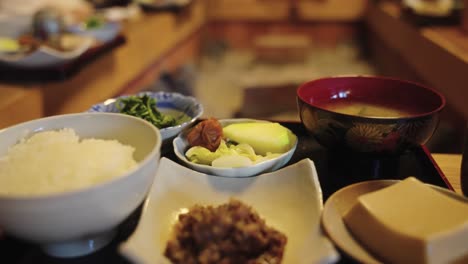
{"type": "Point", "coordinates": [231, 233]}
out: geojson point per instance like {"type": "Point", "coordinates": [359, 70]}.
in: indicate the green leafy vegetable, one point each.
{"type": "Point", "coordinates": [145, 107]}
{"type": "Point", "coordinates": [94, 22]}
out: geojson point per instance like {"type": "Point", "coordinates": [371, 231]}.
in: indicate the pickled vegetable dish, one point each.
{"type": "Point", "coordinates": [237, 145]}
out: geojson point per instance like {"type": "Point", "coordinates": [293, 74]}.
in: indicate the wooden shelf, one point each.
{"type": "Point", "coordinates": [438, 55]}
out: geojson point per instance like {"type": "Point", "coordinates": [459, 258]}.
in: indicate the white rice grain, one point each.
{"type": "Point", "coordinates": [58, 161]}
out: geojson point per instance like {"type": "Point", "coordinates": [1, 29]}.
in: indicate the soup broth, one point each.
{"type": "Point", "coordinates": [366, 110]}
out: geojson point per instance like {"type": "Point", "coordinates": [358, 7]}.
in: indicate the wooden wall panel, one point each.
{"type": "Point", "coordinates": [331, 10]}
{"type": "Point", "coordinates": [259, 10]}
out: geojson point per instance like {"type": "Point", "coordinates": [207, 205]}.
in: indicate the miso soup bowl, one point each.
{"type": "Point", "coordinates": [322, 102]}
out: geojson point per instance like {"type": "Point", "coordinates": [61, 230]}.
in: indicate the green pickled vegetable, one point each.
{"type": "Point", "coordinates": [227, 154]}
{"type": "Point", "coordinates": [145, 107]}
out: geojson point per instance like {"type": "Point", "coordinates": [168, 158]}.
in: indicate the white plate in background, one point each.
{"type": "Point", "coordinates": [105, 33]}
{"type": "Point", "coordinates": [45, 56]}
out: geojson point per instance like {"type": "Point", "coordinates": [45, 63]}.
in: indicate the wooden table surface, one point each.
{"type": "Point", "coordinates": [450, 165]}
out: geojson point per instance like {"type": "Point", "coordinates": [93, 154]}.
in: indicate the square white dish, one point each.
{"type": "Point", "coordinates": [289, 199]}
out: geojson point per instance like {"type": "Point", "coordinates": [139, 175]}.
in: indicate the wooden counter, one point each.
{"type": "Point", "coordinates": [438, 56]}
{"type": "Point", "coordinates": [450, 165]}
{"type": "Point", "coordinates": [298, 10]}
{"type": "Point", "coordinates": [19, 104]}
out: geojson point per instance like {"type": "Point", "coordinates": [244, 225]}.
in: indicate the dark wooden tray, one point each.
{"type": "Point", "coordinates": [14, 74]}
{"type": "Point", "coordinates": [165, 7]}
{"type": "Point", "coordinates": [335, 170]}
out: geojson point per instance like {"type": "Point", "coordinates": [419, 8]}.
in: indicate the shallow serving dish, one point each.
{"type": "Point", "coordinates": [45, 56]}
{"type": "Point", "coordinates": [79, 222]}
{"type": "Point", "coordinates": [289, 199]}
{"type": "Point", "coordinates": [105, 33]}
{"type": "Point", "coordinates": [341, 201]}
{"type": "Point", "coordinates": [181, 145]}
{"type": "Point", "coordinates": [166, 103]}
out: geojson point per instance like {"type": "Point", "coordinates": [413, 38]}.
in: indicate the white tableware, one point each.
{"type": "Point", "coordinates": [181, 145]}
{"type": "Point", "coordinates": [79, 222]}
{"type": "Point", "coordinates": [341, 201]}
{"type": "Point", "coordinates": [289, 200]}
{"type": "Point", "coordinates": [45, 56]}
{"type": "Point", "coordinates": [105, 33]}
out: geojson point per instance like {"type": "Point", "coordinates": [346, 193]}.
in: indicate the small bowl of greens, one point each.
{"type": "Point", "coordinates": [170, 112]}
{"type": "Point", "coordinates": [98, 28]}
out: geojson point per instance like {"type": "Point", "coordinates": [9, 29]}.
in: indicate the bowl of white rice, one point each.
{"type": "Point", "coordinates": [67, 182]}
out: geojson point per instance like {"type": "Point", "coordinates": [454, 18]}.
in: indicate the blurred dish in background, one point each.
{"type": "Point", "coordinates": [28, 52]}
{"type": "Point", "coordinates": [98, 28]}
{"type": "Point", "coordinates": [430, 8]}
{"type": "Point", "coordinates": [437, 12]}
{"type": "Point", "coordinates": [109, 3]}
{"type": "Point", "coordinates": [18, 13]}
{"type": "Point", "coordinates": [163, 5]}
{"type": "Point", "coordinates": [42, 41]}
{"type": "Point", "coordinates": [52, 40]}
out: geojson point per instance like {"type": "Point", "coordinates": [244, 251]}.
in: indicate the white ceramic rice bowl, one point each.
{"type": "Point", "coordinates": [64, 224]}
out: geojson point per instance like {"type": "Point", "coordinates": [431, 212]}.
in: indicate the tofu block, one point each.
{"type": "Point", "coordinates": [410, 222]}
{"type": "Point", "coordinates": [263, 137]}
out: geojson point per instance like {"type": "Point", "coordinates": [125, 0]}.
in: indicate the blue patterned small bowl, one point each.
{"type": "Point", "coordinates": [165, 103]}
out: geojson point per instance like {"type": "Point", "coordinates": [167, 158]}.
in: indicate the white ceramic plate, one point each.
{"type": "Point", "coordinates": [45, 56]}
{"type": "Point", "coordinates": [181, 146]}
{"type": "Point", "coordinates": [289, 200]}
{"type": "Point", "coordinates": [165, 102]}
{"type": "Point", "coordinates": [107, 32]}
{"type": "Point", "coordinates": [341, 202]}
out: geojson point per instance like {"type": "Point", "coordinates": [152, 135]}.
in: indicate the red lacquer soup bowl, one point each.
{"type": "Point", "coordinates": [369, 114]}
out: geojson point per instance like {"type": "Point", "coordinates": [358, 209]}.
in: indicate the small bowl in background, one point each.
{"type": "Point", "coordinates": [104, 33]}
{"type": "Point", "coordinates": [165, 103]}
{"type": "Point", "coordinates": [79, 222]}
{"type": "Point", "coordinates": [45, 56]}
{"type": "Point", "coordinates": [418, 106]}
{"type": "Point", "coordinates": [181, 145]}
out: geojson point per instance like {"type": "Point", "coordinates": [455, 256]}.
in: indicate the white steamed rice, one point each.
{"type": "Point", "coordinates": [58, 161]}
